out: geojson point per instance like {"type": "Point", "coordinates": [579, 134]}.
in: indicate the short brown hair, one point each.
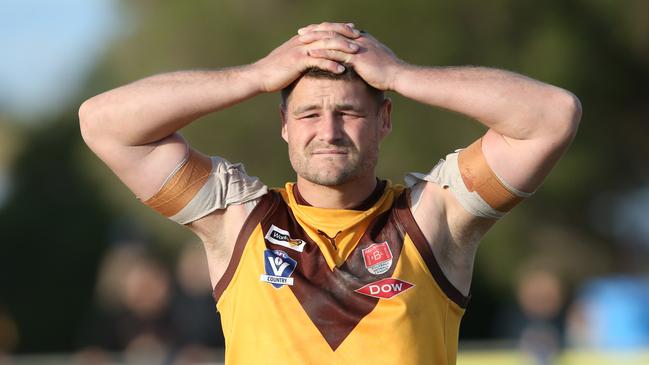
{"type": "Point", "coordinates": [348, 75]}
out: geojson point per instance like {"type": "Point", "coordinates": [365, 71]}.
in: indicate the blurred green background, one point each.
{"type": "Point", "coordinates": [61, 208]}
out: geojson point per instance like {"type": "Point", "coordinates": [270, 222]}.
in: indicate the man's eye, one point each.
{"type": "Point", "coordinates": [309, 116]}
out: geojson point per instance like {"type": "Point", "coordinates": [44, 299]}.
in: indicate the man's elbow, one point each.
{"type": "Point", "coordinates": [567, 115]}
{"type": "Point", "coordinates": [573, 111]}
{"type": "Point", "coordinates": [89, 120]}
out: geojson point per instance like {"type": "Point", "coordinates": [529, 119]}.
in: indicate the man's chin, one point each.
{"type": "Point", "coordinates": [328, 178]}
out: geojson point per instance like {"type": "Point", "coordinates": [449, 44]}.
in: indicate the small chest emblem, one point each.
{"type": "Point", "coordinates": [385, 288]}
{"type": "Point", "coordinates": [378, 258]}
{"type": "Point", "coordinates": [279, 267]}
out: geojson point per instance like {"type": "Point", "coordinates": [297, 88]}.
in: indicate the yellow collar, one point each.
{"type": "Point", "coordinates": [346, 225]}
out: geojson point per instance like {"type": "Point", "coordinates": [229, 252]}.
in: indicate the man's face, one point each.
{"type": "Point", "coordinates": [333, 129]}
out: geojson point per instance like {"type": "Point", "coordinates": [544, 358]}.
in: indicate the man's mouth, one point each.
{"type": "Point", "coordinates": [329, 151]}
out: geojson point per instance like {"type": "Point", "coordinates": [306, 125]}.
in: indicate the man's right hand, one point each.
{"type": "Point", "coordinates": [287, 62]}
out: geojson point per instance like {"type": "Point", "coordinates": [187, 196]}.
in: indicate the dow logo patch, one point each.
{"type": "Point", "coordinates": [278, 266]}
{"type": "Point", "coordinates": [385, 288]}
{"type": "Point", "coordinates": [378, 258]}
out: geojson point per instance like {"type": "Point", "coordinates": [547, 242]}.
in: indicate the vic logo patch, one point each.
{"type": "Point", "coordinates": [278, 266]}
{"type": "Point", "coordinates": [385, 288]}
{"type": "Point", "coordinates": [378, 258]}
{"type": "Point", "coordinates": [281, 237]}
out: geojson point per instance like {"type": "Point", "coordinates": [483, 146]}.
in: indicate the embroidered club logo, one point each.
{"type": "Point", "coordinates": [281, 237]}
{"type": "Point", "coordinates": [378, 258]}
{"type": "Point", "coordinates": [278, 266]}
{"type": "Point", "coordinates": [385, 288]}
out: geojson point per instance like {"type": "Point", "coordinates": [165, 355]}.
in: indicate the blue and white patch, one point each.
{"type": "Point", "coordinates": [279, 266]}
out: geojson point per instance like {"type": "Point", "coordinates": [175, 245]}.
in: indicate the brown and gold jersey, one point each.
{"type": "Point", "coordinates": [308, 285]}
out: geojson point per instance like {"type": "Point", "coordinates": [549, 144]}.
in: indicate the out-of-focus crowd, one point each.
{"type": "Point", "coordinates": [143, 312]}
{"type": "Point", "coordinates": [146, 314]}
{"type": "Point", "coordinates": [604, 314]}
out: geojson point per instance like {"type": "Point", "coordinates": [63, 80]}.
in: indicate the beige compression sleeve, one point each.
{"type": "Point", "coordinates": [473, 183]}
{"type": "Point", "coordinates": [201, 185]}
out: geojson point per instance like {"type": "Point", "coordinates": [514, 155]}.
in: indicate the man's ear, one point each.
{"type": "Point", "coordinates": [282, 114]}
{"type": "Point", "coordinates": [385, 118]}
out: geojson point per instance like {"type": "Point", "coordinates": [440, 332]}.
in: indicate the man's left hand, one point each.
{"type": "Point", "coordinates": [374, 62]}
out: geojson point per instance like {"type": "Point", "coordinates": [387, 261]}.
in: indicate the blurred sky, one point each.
{"type": "Point", "coordinates": [48, 49]}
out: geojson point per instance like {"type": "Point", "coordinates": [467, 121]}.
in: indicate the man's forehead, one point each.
{"type": "Point", "coordinates": [327, 93]}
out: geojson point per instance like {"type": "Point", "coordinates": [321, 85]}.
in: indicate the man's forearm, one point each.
{"type": "Point", "coordinates": [510, 104]}
{"type": "Point", "coordinates": [150, 109]}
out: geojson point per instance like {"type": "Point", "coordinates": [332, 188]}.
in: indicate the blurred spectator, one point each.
{"type": "Point", "coordinates": [91, 356]}
{"type": "Point", "coordinates": [193, 309]}
{"type": "Point", "coordinates": [536, 319]}
{"type": "Point", "coordinates": [132, 309]}
{"type": "Point", "coordinates": [141, 312]}
{"type": "Point", "coordinates": [8, 336]}
{"type": "Point", "coordinates": [610, 314]}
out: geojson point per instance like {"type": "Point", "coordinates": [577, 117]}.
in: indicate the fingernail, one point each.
{"type": "Point", "coordinates": [341, 68]}
{"type": "Point", "coordinates": [353, 30]}
{"type": "Point", "coordinates": [351, 25]}
{"type": "Point", "coordinates": [353, 47]}
{"type": "Point", "coordinates": [300, 31]}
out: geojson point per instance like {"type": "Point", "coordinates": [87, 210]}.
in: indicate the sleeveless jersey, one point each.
{"type": "Point", "coordinates": [308, 285]}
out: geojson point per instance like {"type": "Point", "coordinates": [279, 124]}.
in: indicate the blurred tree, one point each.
{"type": "Point", "coordinates": [52, 230]}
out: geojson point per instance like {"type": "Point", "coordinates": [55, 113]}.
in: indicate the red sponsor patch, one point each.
{"type": "Point", "coordinates": [385, 288]}
{"type": "Point", "coordinates": [378, 258]}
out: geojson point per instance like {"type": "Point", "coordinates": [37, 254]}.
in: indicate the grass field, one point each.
{"type": "Point", "coordinates": [566, 358]}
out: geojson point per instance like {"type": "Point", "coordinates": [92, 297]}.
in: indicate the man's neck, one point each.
{"type": "Point", "coordinates": [345, 196]}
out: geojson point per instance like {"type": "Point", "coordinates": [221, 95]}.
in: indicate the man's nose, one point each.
{"type": "Point", "coordinates": [331, 128]}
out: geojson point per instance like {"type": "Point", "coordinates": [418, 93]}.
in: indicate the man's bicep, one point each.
{"type": "Point", "coordinates": [522, 164]}
{"type": "Point", "coordinates": [143, 169]}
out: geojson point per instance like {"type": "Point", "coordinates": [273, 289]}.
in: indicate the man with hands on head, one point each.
{"type": "Point", "coordinates": [340, 266]}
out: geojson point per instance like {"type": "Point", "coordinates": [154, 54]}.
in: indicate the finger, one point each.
{"type": "Point", "coordinates": [338, 44]}
{"type": "Point", "coordinates": [346, 29]}
{"type": "Point", "coordinates": [332, 55]}
{"type": "Point", "coordinates": [312, 36]}
{"type": "Point", "coordinates": [326, 64]}
{"type": "Point", "coordinates": [342, 28]}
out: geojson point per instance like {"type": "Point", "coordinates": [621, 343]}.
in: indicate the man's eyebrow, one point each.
{"type": "Point", "coordinates": [346, 107]}
{"type": "Point", "coordinates": [306, 108]}
{"type": "Point", "coordinates": [337, 107]}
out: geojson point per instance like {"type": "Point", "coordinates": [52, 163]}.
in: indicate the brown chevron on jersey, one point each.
{"type": "Point", "coordinates": [327, 296]}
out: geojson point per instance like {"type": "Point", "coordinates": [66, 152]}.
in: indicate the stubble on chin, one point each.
{"type": "Point", "coordinates": [329, 172]}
